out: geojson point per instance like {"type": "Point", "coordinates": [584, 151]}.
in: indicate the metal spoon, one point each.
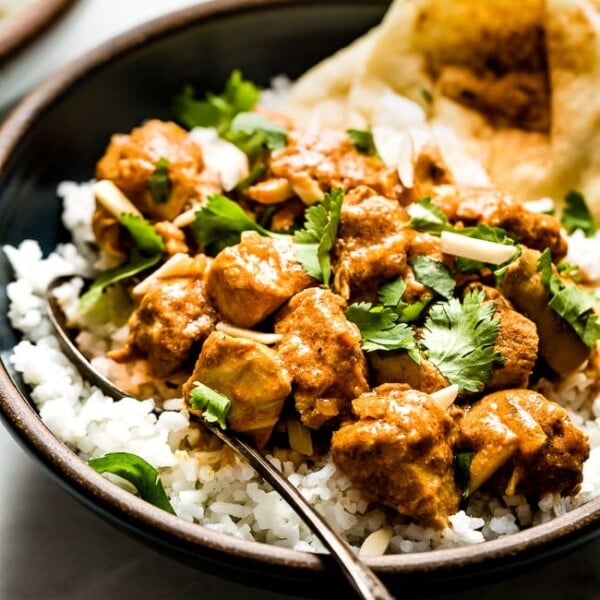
{"type": "Point", "coordinates": [362, 578]}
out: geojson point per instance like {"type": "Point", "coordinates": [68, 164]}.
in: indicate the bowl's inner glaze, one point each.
{"type": "Point", "coordinates": [60, 133]}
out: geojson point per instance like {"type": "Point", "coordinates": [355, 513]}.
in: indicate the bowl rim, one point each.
{"type": "Point", "coordinates": [526, 547]}
{"type": "Point", "coordinates": [29, 22]}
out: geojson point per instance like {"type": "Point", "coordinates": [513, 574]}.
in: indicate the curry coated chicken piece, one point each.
{"type": "Point", "coordinates": [471, 206]}
{"type": "Point", "coordinates": [559, 344]}
{"type": "Point", "coordinates": [517, 342]}
{"type": "Point", "coordinates": [400, 452]}
{"type": "Point", "coordinates": [251, 280]}
{"type": "Point", "coordinates": [313, 163]}
{"type": "Point", "coordinates": [251, 375]}
{"type": "Point", "coordinates": [399, 367]}
{"type": "Point", "coordinates": [523, 443]}
{"type": "Point", "coordinates": [321, 349]}
{"type": "Point", "coordinates": [371, 247]}
{"type": "Point", "coordinates": [171, 320]}
{"type": "Point", "coordinates": [130, 161]}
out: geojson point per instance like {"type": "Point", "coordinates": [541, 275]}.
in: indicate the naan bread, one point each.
{"type": "Point", "coordinates": [515, 80]}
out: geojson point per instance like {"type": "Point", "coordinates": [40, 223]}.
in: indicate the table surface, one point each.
{"type": "Point", "coordinates": [53, 548]}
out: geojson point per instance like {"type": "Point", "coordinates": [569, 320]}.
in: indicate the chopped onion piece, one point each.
{"type": "Point", "coordinates": [482, 250]}
{"type": "Point", "coordinates": [445, 397]}
{"type": "Point", "coordinates": [179, 265]}
{"type": "Point", "coordinates": [376, 543]}
{"type": "Point", "coordinates": [299, 437]}
{"type": "Point", "coordinates": [113, 199]}
{"type": "Point", "coordinates": [249, 334]}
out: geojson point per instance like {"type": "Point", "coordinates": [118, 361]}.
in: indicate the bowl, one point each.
{"type": "Point", "coordinates": [60, 130]}
{"type": "Point", "coordinates": [27, 23]}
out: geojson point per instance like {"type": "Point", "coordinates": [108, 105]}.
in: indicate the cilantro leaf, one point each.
{"type": "Point", "coordinates": [426, 217]}
{"type": "Point", "coordinates": [147, 249]}
{"type": "Point", "coordinates": [217, 111]}
{"type": "Point", "coordinates": [459, 340]}
{"type": "Point", "coordinates": [381, 331]}
{"type": "Point", "coordinates": [434, 274]}
{"type": "Point", "coordinates": [462, 470]}
{"type": "Point", "coordinates": [159, 183]}
{"type": "Point", "coordinates": [316, 240]}
{"type": "Point", "coordinates": [576, 214]}
{"type": "Point", "coordinates": [214, 406]}
{"type": "Point", "coordinates": [570, 302]}
{"type": "Point", "coordinates": [253, 133]}
{"type": "Point", "coordinates": [363, 141]}
{"type": "Point", "coordinates": [220, 222]}
{"type": "Point", "coordinates": [140, 473]}
{"type": "Point", "coordinates": [390, 295]}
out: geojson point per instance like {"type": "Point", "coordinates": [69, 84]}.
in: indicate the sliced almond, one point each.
{"type": "Point", "coordinates": [474, 249]}
{"type": "Point", "coordinates": [445, 397]}
{"type": "Point", "coordinates": [376, 543]}
{"type": "Point", "coordinates": [113, 199]}
{"type": "Point", "coordinates": [179, 265]}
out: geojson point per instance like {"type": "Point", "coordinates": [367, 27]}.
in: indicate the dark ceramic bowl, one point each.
{"type": "Point", "coordinates": [58, 133]}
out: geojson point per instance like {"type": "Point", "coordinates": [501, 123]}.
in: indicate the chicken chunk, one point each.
{"type": "Point", "coordinates": [559, 345]}
{"type": "Point", "coordinates": [372, 244]}
{"type": "Point", "coordinates": [130, 160]}
{"type": "Point", "coordinates": [400, 453]}
{"type": "Point", "coordinates": [251, 375]}
{"type": "Point", "coordinates": [523, 443]}
{"type": "Point", "coordinates": [172, 319]}
{"type": "Point", "coordinates": [251, 280]}
{"type": "Point", "coordinates": [321, 349]}
{"type": "Point", "coordinates": [517, 342]}
{"type": "Point", "coordinates": [315, 163]}
{"type": "Point", "coordinates": [497, 209]}
{"type": "Point", "coordinates": [399, 367]}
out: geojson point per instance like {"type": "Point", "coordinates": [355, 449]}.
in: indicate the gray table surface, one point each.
{"type": "Point", "coordinates": [53, 548]}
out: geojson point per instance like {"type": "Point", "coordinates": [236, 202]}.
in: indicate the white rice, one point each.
{"type": "Point", "coordinates": [216, 489]}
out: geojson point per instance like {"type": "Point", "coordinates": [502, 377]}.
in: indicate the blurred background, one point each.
{"type": "Point", "coordinates": [50, 546]}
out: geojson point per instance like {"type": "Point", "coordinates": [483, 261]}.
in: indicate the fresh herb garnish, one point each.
{"type": "Point", "coordinates": [570, 302]}
{"type": "Point", "coordinates": [459, 339]}
{"type": "Point", "coordinates": [217, 111]}
{"type": "Point", "coordinates": [426, 217]}
{"type": "Point", "coordinates": [576, 214]}
{"type": "Point", "coordinates": [254, 133]}
{"type": "Point", "coordinates": [434, 274]}
{"type": "Point", "coordinates": [316, 240]}
{"type": "Point", "coordinates": [147, 249]}
{"type": "Point", "coordinates": [220, 222]}
{"type": "Point", "coordinates": [573, 272]}
{"type": "Point", "coordinates": [381, 330]}
{"type": "Point", "coordinates": [462, 471]}
{"type": "Point", "coordinates": [214, 406]}
{"type": "Point", "coordinates": [140, 473]}
{"type": "Point", "coordinates": [159, 183]}
{"type": "Point", "coordinates": [390, 295]}
{"type": "Point", "coordinates": [363, 141]}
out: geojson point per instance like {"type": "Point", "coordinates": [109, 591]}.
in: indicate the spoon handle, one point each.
{"type": "Point", "coordinates": [362, 578]}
